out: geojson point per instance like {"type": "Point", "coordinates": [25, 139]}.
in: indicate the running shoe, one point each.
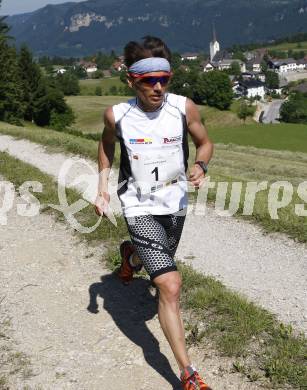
{"type": "Point", "coordinates": [126, 270]}
{"type": "Point", "coordinates": [191, 380]}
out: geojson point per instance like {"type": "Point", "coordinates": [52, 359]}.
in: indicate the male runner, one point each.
{"type": "Point", "coordinates": [153, 133]}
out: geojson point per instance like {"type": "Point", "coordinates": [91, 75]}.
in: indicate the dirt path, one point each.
{"type": "Point", "coordinates": [81, 328]}
{"type": "Point", "coordinates": [269, 269]}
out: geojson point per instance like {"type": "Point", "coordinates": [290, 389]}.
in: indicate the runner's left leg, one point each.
{"type": "Point", "coordinates": [169, 286]}
{"type": "Point", "coordinates": [156, 239]}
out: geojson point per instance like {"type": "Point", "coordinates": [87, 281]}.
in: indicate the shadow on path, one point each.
{"type": "Point", "coordinates": [130, 307]}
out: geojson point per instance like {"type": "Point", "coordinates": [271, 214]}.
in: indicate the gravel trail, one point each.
{"type": "Point", "coordinates": [79, 326]}
{"type": "Point", "coordinates": [269, 269]}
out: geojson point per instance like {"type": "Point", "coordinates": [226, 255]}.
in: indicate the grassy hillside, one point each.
{"type": "Point", "coordinates": [224, 126]}
{"type": "Point", "coordinates": [89, 110]}
{"type": "Point", "coordinates": [87, 87]}
{"type": "Point", "coordinates": [215, 118]}
{"type": "Point", "coordinates": [295, 46]}
{"type": "Point", "coordinates": [230, 163]}
{"type": "Point", "coordinates": [284, 136]}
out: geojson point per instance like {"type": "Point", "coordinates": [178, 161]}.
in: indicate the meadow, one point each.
{"type": "Point", "coordinates": [88, 86]}
{"type": "Point", "coordinates": [224, 126]}
{"type": "Point", "coordinates": [89, 111]}
{"type": "Point", "coordinates": [295, 46]}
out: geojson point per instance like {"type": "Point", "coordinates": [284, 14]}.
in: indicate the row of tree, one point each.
{"type": "Point", "coordinates": [212, 88]}
{"type": "Point", "coordinates": [294, 110]}
{"type": "Point", "coordinates": [25, 92]}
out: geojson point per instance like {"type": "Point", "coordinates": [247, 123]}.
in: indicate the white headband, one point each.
{"type": "Point", "coordinates": [148, 65]}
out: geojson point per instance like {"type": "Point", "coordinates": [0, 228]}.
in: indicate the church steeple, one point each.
{"type": "Point", "coordinates": [213, 32]}
{"type": "Point", "coordinates": [214, 45]}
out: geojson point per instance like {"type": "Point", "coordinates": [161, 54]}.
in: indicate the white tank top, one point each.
{"type": "Point", "coordinates": [154, 157]}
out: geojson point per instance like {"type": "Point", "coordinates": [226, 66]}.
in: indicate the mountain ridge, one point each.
{"type": "Point", "coordinates": [73, 29]}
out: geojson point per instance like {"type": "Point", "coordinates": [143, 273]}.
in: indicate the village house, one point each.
{"type": "Point", "coordinates": [189, 56]}
{"type": "Point", "coordinates": [302, 64]}
{"type": "Point", "coordinates": [119, 66]}
{"type": "Point", "coordinates": [253, 75]}
{"type": "Point", "coordinates": [254, 64]}
{"type": "Point", "coordinates": [88, 66]}
{"type": "Point", "coordinates": [226, 64]}
{"type": "Point", "coordinates": [251, 88]}
{"type": "Point", "coordinates": [61, 71]}
{"type": "Point", "coordinates": [206, 66]}
{"type": "Point", "coordinates": [283, 66]}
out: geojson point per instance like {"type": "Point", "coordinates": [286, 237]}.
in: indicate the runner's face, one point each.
{"type": "Point", "coordinates": [150, 95]}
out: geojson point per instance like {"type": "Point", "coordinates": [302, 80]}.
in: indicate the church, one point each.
{"type": "Point", "coordinates": [219, 59]}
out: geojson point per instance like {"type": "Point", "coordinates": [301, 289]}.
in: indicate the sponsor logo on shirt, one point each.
{"type": "Point", "coordinates": [140, 141]}
{"type": "Point", "coordinates": [171, 140]}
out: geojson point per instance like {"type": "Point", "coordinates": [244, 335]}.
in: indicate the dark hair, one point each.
{"type": "Point", "coordinates": [149, 47]}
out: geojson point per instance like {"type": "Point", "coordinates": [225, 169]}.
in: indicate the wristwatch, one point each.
{"type": "Point", "coordinates": [203, 166]}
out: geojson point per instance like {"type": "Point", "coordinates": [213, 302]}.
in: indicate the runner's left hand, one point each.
{"type": "Point", "coordinates": [196, 175]}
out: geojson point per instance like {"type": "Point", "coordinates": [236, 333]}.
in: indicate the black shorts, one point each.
{"type": "Point", "coordinates": [156, 238]}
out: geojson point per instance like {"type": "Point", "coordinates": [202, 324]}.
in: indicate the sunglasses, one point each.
{"type": "Point", "coordinates": [152, 80]}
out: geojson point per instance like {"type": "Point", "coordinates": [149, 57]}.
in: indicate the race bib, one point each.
{"type": "Point", "coordinates": [153, 171]}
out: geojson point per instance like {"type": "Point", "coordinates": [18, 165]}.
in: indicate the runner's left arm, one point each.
{"type": "Point", "coordinates": [204, 147]}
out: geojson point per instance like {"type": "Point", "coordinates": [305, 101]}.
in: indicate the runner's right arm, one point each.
{"type": "Point", "coordinates": [106, 150]}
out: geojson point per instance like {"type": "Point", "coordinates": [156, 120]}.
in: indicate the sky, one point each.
{"type": "Point", "coordinates": [11, 7]}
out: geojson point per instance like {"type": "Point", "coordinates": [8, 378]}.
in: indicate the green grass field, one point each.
{"type": "Point", "coordinates": [282, 136]}
{"type": "Point", "coordinates": [295, 46]}
{"type": "Point", "coordinates": [89, 111]}
{"type": "Point", "coordinates": [87, 87]}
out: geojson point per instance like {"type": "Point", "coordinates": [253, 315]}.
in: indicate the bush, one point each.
{"type": "Point", "coordinates": [68, 83]}
{"type": "Point", "coordinates": [98, 91]}
{"type": "Point", "coordinates": [295, 109]}
{"type": "Point", "coordinates": [215, 89]}
{"type": "Point", "coordinates": [60, 121]}
{"type": "Point", "coordinates": [113, 90]}
{"type": "Point", "coordinates": [245, 110]}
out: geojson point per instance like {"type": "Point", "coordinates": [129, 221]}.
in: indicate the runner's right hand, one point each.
{"type": "Point", "coordinates": [101, 205]}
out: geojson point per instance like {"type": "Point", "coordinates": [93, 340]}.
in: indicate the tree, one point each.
{"type": "Point", "coordinates": [113, 90]}
{"type": "Point", "coordinates": [30, 75]}
{"type": "Point", "coordinates": [264, 65]}
{"type": "Point", "coordinates": [98, 90]}
{"type": "Point", "coordinates": [24, 92]}
{"type": "Point", "coordinates": [215, 89]}
{"type": "Point", "coordinates": [176, 60]}
{"type": "Point", "coordinates": [68, 83]}
{"type": "Point", "coordinates": [272, 79]}
{"type": "Point", "coordinates": [50, 106]}
{"type": "Point", "coordinates": [103, 61]}
{"type": "Point", "coordinates": [235, 69]}
{"type": "Point", "coordinates": [239, 55]}
{"type": "Point", "coordinates": [185, 83]}
{"type": "Point", "coordinates": [98, 74]}
{"type": "Point", "coordinates": [295, 109]}
{"type": "Point", "coordinates": [245, 110]}
{"type": "Point", "coordinates": [11, 96]}
{"type": "Point", "coordinates": [79, 72]}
